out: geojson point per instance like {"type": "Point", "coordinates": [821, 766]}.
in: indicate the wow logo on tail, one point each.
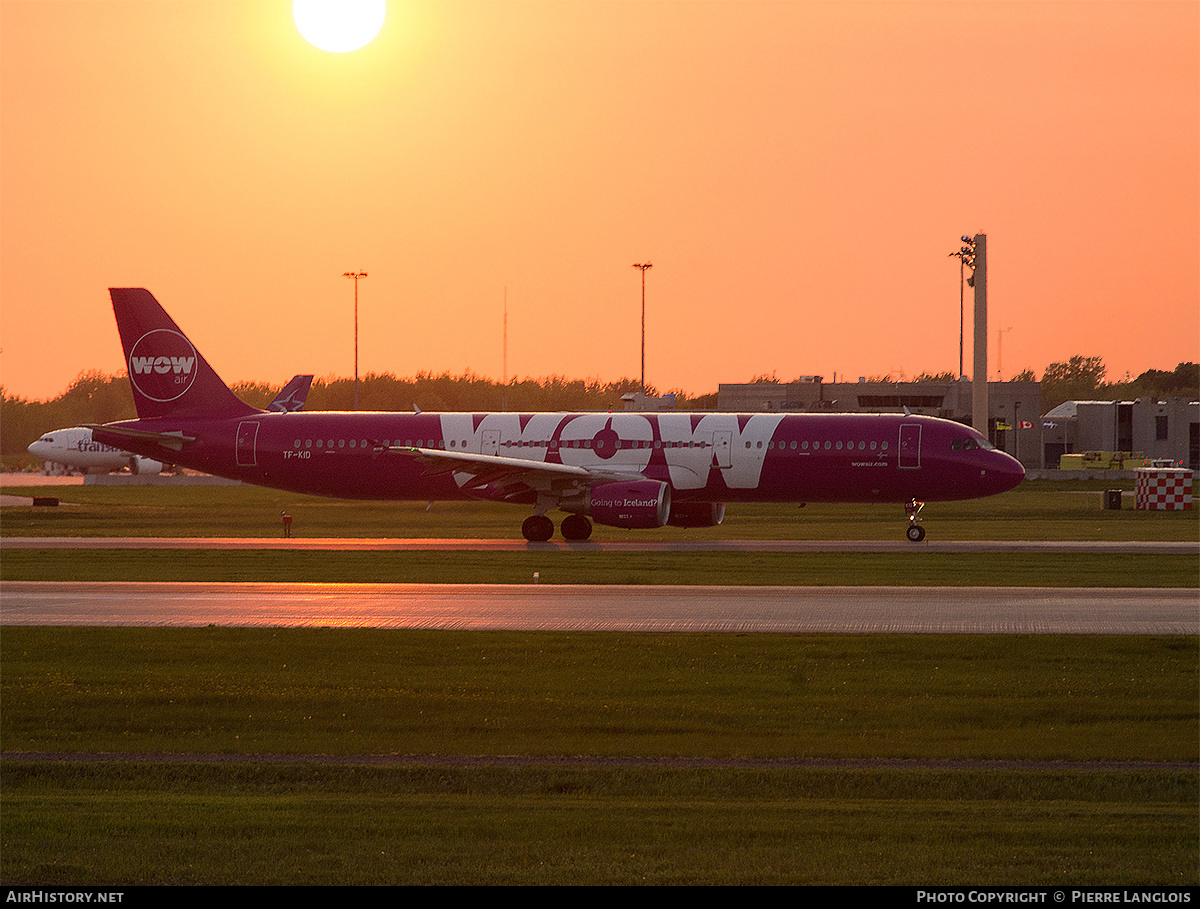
{"type": "Point", "coordinates": [162, 364]}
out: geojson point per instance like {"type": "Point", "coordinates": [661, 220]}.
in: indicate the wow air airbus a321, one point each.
{"type": "Point", "coordinates": [633, 470]}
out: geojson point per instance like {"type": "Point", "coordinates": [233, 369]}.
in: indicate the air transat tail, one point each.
{"type": "Point", "coordinates": [168, 375]}
{"type": "Point", "coordinates": [293, 395]}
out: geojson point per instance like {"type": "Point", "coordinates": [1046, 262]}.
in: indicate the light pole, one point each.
{"type": "Point", "coordinates": [355, 275]}
{"type": "Point", "coordinates": [643, 266]}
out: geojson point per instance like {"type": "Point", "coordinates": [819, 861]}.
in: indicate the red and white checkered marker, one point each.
{"type": "Point", "coordinates": [1163, 489]}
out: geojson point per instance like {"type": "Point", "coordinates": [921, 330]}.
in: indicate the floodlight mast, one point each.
{"type": "Point", "coordinates": [966, 259]}
{"type": "Point", "coordinates": [979, 381]}
{"type": "Point", "coordinates": [973, 255]}
{"type": "Point", "coordinates": [643, 266]}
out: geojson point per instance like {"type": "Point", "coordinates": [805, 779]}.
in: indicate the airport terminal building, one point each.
{"type": "Point", "coordinates": [1154, 429]}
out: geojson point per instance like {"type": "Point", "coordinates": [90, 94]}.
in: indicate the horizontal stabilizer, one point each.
{"type": "Point", "coordinates": [172, 440]}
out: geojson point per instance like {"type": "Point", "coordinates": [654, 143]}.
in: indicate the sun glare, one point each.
{"type": "Point", "coordinates": [339, 26]}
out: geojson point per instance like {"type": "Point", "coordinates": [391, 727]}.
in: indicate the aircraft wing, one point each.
{"type": "Point", "coordinates": [477, 471]}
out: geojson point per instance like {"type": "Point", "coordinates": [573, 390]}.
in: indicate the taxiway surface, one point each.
{"type": "Point", "coordinates": [422, 543]}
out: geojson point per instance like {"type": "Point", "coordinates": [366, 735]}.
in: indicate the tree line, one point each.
{"type": "Point", "coordinates": [1083, 378]}
{"type": "Point", "coordinates": [95, 397]}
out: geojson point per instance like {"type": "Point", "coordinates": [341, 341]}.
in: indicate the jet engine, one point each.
{"type": "Point", "coordinates": [697, 514]}
{"type": "Point", "coordinates": [633, 504]}
{"type": "Point", "coordinates": [140, 466]}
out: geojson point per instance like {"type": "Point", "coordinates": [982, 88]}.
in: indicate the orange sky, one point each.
{"type": "Point", "coordinates": [798, 173]}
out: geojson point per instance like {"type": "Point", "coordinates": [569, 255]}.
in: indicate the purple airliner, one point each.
{"type": "Point", "coordinates": [635, 470]}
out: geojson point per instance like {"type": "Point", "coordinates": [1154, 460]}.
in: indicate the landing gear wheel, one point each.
{"type": "Point", "coordinates": [576, 527]}
{"type": "Point", "coordinates": [537, 528]}
{"type": "Point", "coordinates": [915, 531]}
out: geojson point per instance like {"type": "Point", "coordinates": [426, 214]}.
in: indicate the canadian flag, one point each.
{"type": "Point", "coordinates": [1024, 424]}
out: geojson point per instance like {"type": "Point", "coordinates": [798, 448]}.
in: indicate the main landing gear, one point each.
{"type": "Point", "coordinates": [538, 528]}
{"type": "Point", "coordinates": [915, 531]}
{"type": "Point", "coordinates": [576, 527]}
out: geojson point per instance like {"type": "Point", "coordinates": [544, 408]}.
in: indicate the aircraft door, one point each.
{"type": "Point", "coordinates": [910, 446]}
{"type": "Point", "coordinates": [723, 447]}
{"type": "Point", "coordinates": [247, 444]}
{"type": "Point", "coordinates": [490, 442]}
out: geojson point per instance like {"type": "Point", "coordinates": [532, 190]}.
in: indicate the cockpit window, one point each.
{"type": "Point", "coordinates": [970, 444]}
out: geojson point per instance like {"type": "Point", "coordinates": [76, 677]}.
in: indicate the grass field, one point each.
{"type": "Point", "coordinates": [378, 691]}
{"type": "Point", "coordinates": [284, 825]}
{"type": "Point", "coordinates": [575, 699]}
{"type": "Point", "coordinates": [1033, 511]}
{"type": "Point", "coordinates": [244, 692]}
{"type": "Point", "coordinates": [917, 568]}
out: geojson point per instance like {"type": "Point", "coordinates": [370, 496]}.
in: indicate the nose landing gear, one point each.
{"type": "Point", "coordinates": [915, 531]}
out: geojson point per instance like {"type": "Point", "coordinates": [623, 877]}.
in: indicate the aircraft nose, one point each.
{"type": "Point", "coordinates": [1004, 471]}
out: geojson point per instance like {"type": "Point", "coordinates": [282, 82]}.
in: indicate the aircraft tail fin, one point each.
{"type": "Point", "coordinates": [168, 375]}
{"type": "Point", "coordinates": [293, 395]}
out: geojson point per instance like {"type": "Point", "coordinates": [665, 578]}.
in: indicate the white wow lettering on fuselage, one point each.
{"type": "Point", "coordinates": [628, 441]}
{"type": "Point", "coordinates": [718, 441]}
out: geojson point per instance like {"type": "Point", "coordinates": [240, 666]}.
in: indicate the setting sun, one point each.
{"type": "Point", "coordinates": [339, 26]}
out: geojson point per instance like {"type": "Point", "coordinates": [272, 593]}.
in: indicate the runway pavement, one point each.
{"type": "Point", "coordinates": [856, 610]}
{"type": "Point", "coordinates": [1008, 610]}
